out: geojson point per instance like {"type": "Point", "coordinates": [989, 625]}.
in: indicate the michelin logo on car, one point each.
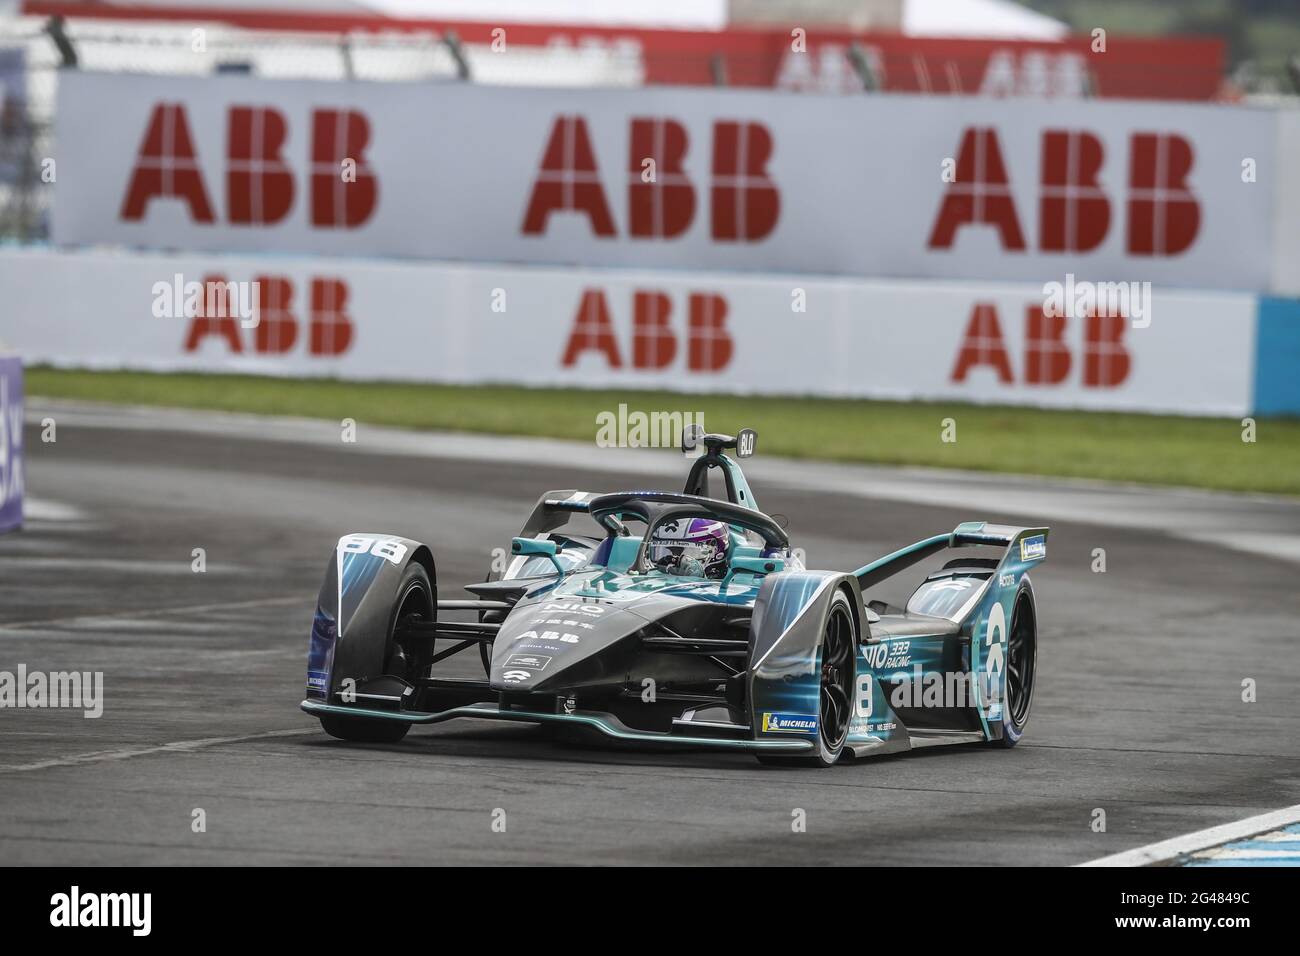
{"type": "Point", "coordinates": [789, 724]}
{"type": "Point", "coordinates": [1033, 548]}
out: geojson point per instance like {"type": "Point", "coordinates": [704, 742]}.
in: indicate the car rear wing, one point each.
{"type": "Point", "coordinates": [1022, 545]}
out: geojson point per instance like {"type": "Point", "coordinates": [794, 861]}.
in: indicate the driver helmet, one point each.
{"type": "Point", "coordinates": [696, 547]}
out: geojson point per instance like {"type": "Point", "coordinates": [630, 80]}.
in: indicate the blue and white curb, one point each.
{"type": "Point", "coordinates": [1270, 839]}
{"type": "Point", "coordinates": [1278, 848]}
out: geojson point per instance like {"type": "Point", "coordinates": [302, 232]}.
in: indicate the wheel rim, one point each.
{"type": "Point", "coordinates": [836, 678]}
{"type": "Point", "coordinates": [415, 605]}
{"type": "Point", "coordinates": [1021, 658]}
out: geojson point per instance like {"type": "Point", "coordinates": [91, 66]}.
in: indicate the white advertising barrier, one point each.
{"type": "Point", "coordinates": [1286, 250]}
{"type": "Point", "coordinates": [712, 332]}
{"type": "Point", "coordinates": [877, 186]}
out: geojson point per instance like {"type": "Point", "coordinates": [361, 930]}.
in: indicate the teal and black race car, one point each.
{"type": "Point", "coordinates": [680, 619]}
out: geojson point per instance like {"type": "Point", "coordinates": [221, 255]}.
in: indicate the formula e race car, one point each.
{"type": "Point", "coordinates": [681, 619]}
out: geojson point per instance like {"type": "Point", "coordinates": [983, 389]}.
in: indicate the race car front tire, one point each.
{"type": "Point", "coordinates": [414, 596]}
{"type": "Point", "coordinates": [837, 656]}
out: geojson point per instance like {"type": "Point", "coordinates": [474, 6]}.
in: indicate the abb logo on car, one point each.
{"type": "Point", "coordinates": [329, 327]}
{"type": "Point", "coordinates": [260, 185]}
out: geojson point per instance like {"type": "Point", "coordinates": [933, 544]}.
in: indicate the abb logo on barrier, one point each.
{"type": "Point", "coordinates": [654, 345]}
{"type": "Point", "coordinates": [259, 183]}
{"type": "Point", "coordinates": [1162, 218]}
{"type": "Point", "coordinates": [329, 327]}
{"type": "Point", "coordinates": [1048, 359]}
{"type": "Point", "coordinates": [744, 202]}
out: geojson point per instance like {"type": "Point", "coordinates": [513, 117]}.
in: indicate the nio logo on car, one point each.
{"type": "Point", "coordinates": [888, 655]}
{"type": "Point", "coordinates": [537, 662]}
{"type": "Point", "coordinates": [514, 677]}
{"type": "Point", "coordinates": [574, 607]}
{"type": "Point", "coordinates": [1031, 549]}
{"type": "Point", "coordinates": [789, 724]}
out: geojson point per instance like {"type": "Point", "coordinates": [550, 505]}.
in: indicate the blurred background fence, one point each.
{"type": "Point", "coordinates": [288, 40]}
{"type": "Point", "coordinates": [826, 218]}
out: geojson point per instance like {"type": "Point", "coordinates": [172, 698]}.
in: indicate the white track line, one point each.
{"type": "Point", "coordinates": [1167, 850]}
{"type": "Point", "coordinates": [178, 746]}
{"type": "Point", "coordinates": [153, 612]}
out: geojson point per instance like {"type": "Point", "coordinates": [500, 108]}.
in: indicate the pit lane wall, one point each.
{"type": "Point", "coordinates": [1193, 352]}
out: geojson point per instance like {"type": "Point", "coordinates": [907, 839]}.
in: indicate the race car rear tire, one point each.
{"type": "Point", "coordinates": [364, 730]}
{"type": "Point", "coordinates": [1022, 664]}
{"type": "Point", "coordinates": [836, 659]}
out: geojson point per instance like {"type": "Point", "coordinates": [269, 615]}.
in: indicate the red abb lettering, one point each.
{"type": "Point", "coordinates": [259, 184]}
{"type": "Point", "coordinates": [1047, 357]}
{"type": "Point", "coordinates": [167, 167]}
{"type": "Point", "coordinates": [1163, 214]}
{"type": "Point", "coordinates": [1073, 212]}
{"type": "Point", "coordinates": [665, 206]}
{"type": "Point", "coordinates": [568, 180]}
{"type": "Point", "coordinates": [277, 330]}
{"type": "Point", "coordinates": [212, 317]}
{"type": "Point", "coordinates": [592, 331]}
{"type": "Point", "coordinates": [982, 345]}
{"type": "Point", "coordinates": [981, 194]}
{"type": "Point", "coordinates": [343, 186]}
{"type": "Point", "coordinates": [745, 201]}
{"type": "Point", "coordinates": [710, 344]}
{"type": "Point", "coordinates": [1106, 361]}
{"type": "Point", "coordinates": [331, 327]}
{"type": "Point", "coordinates": [653, 342]}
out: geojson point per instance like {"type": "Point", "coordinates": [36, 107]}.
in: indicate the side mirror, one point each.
{"type": "Point", "coordinates": [532, 547]}
{"type": "Point", "coordinates": [756, 565]}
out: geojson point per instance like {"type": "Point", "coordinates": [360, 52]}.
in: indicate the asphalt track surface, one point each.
{"type": "Point", "coordinates": [1137, 711]}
